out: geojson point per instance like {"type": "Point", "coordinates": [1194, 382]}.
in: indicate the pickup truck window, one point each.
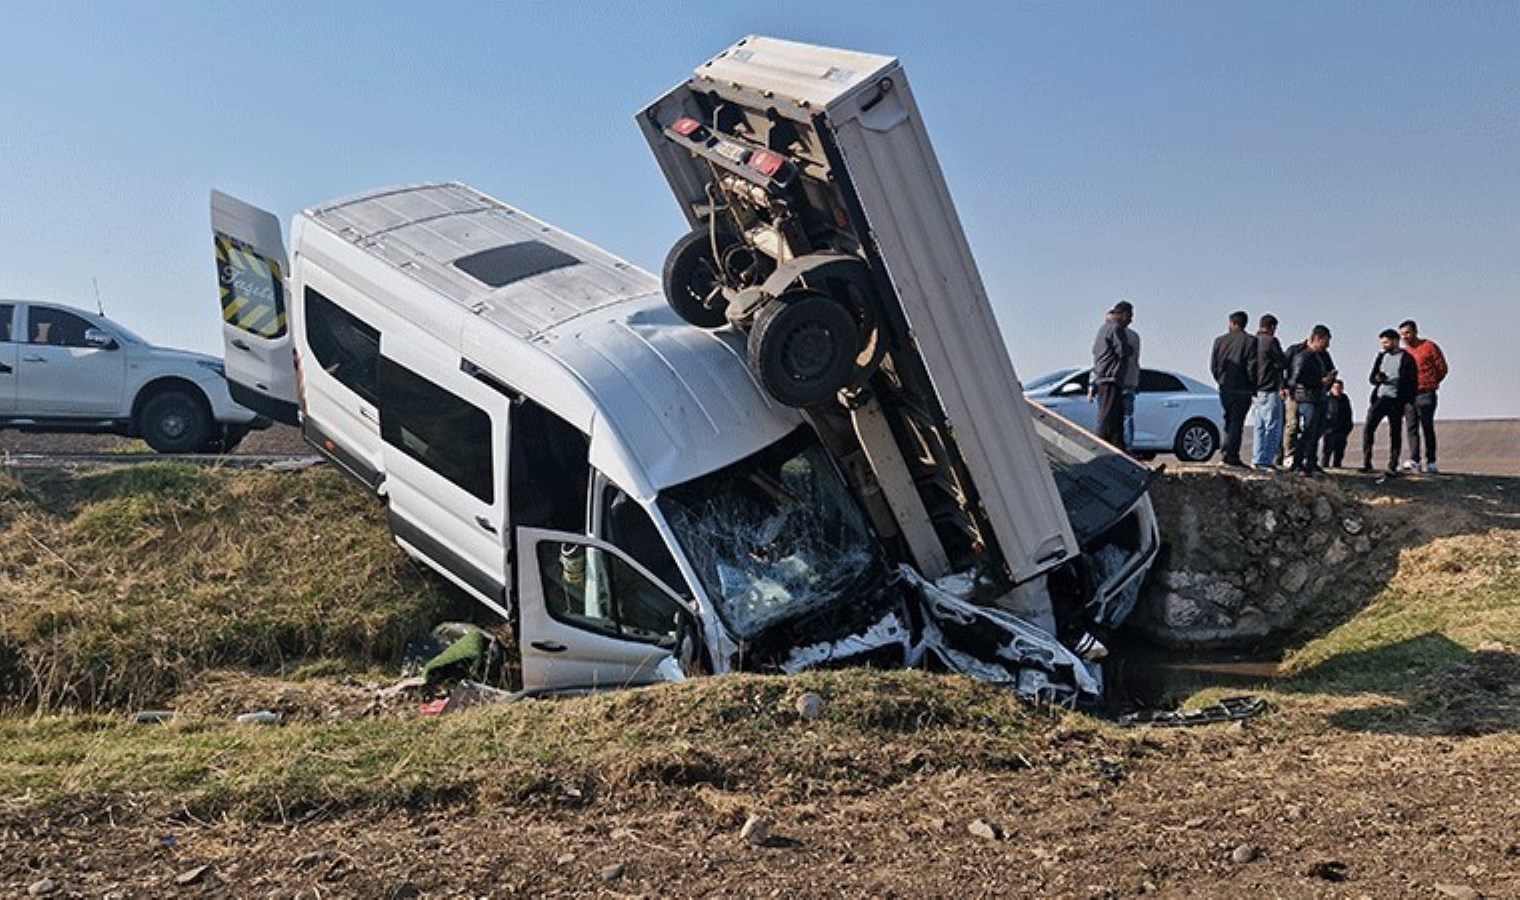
{"type": "Point", "coordinates": [56, 327]}
{"type": "Point", "coordinates": [346, 347]}
{"type": "Point", "coordinates": [774, 536]}
{"type": "Point", "coordinates": [447, 434]}
{"type": "Point", "coordinates": [7, 311]}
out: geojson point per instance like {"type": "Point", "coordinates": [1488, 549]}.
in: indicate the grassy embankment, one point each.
{"type": "Point", "coordinates": [126, 588]}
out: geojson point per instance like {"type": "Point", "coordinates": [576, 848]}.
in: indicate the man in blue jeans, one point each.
{"type": "Point", "coordinates": [1267, 404]}
{"type": "Point", "coordinates": [1309, 374]}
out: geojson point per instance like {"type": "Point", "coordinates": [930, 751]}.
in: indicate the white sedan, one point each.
{"type": "Point", "coordinates": [1173, 413]}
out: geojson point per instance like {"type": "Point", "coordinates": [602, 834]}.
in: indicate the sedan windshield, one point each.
{"type": "Point", "coordinates": [1049, 380]}
{"type": "Point", "coordinates": [774, 536]}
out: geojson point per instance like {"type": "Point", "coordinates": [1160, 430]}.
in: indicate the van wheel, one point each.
{"type": "Point", "coordinates": [802, 348]}
{"type": "Point", "coordinates": [693, 280]}
{"type": "Point", "coordinates": [1196, 441]}
{"type": "Point", "coordinates": [175, 422]}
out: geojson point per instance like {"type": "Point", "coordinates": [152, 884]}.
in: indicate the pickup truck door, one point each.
{"type": "Point", "coordinates": [59, 374]}
{"type": "Point", "coordinates": [591, 618]}
{"type": "Point", "coordinates": [8, 357]}
{"type": "Point", "coordinates": [251, 267]}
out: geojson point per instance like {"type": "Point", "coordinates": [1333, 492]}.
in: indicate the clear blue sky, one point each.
{"type": "Point", "coordinates": [1351, 163]}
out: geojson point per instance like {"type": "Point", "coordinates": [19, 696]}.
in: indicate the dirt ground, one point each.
{"type": "Point", "coordinates": [1327, 795]}
{"type": "Point", "coordinates": [1256, 810]}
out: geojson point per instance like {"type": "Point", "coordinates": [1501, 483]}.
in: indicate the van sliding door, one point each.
{"type": "Point", "coordinates": [444, 439]}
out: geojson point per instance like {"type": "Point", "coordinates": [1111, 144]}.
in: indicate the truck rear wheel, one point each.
{"type": "Point", "coordinates": [693, 280]}
{"type": "Point", "coordinates": [802, 348]}
{"type": "Point", "coordinates": [175, 422]}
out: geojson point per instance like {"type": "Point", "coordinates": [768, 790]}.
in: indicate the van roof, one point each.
{"type": "Point", "coordinates": [673, 402]}
{"type": "Point", "coordinates": [518, 272]}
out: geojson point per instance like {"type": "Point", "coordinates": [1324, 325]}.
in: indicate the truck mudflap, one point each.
{"type": "Point", "coordinates": [936, 629]}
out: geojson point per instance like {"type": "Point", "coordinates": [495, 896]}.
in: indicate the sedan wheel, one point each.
{"type": "Point", "coordinates": [1197, 440]}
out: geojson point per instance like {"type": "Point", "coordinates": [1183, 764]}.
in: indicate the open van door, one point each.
{"type": "Point", "coordinates": [590, 618]}
{"type": "Point", "coordinates": [251, 268]}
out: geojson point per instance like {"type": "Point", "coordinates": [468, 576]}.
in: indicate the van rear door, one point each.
{"type": "Point", "coordinates": [258, 348]}
{"type": "Point", "coordinates": [591, 619]}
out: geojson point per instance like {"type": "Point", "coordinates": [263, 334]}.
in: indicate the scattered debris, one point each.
{"type": "Point", "coordinates": [42, 888]}
{"type": "Point", "coordinates": [1460, 891]}
{"type": "Point", "coordinates": [1328, 870]}
{"type": "Point", "coordinates": [472, 693]}
{"type": "Point", "coordinates": [1244, 853]}
{"type": "Point", "coordinates": [191, 876]}
{"type": "Point", "coordinates": [262, 717]}
{"type": "Point", "coordinates": [434, 707]}
{"type": "Point", "coordinates": [1230, 709]}
{"type": "Point", "coordinates": [153, 716]}
{"type": "Point", "coordinates": [756, 831]}
{"type": "Point", "coordinates": [985, 830]}
{"type": "Point", "coordinates": [810, 706]}
{"type": "Point", "coordinates": [612, 873]}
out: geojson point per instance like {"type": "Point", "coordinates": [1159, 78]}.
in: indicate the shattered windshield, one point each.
{"type": "Point", "coordinates": [773, 536]}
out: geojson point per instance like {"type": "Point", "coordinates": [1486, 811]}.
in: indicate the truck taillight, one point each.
{"type": "Point", "coordinates": [766, 162]}
{"type": "Point", "coordinates": [689, 128]}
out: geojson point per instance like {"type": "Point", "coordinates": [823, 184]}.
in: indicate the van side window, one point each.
{"type": "Point", "coordinates": [447, 434]}
{"type": "Point", "coordinates": [346, 347]}
{"type": "Point", "coordinates": [7, 312]}
{"type": "Point", "coordinates": [548, 471]}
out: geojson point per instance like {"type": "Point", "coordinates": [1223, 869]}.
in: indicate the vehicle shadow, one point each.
{"type": "Point", "coordinates": [1450, 690]}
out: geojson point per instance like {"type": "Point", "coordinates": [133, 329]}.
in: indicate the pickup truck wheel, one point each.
{"type": "Point", "coordinates": [802, 348]}
{"type": "Point", "coordinates": [175, 422]}
{"type": "Point", "coordinates": [1196, 441]}
{"type": "Point", "coordinates": [692, 278]}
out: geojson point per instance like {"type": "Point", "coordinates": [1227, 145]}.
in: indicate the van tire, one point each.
{"type": "Point", "coordinates": [802, 348]}
{"type": "Point", "coordinates": [693, 281]}
{"type": "Point", "coordinates": [175, 422]}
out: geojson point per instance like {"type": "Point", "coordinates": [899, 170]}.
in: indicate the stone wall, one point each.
{"type": "Point", "coordinates": [1250, 559]}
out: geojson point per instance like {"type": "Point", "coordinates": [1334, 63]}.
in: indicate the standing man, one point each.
{"type": "Point", "coordinates": [1338, 426]}
{"type": "Point", "coordinates": [1267, 405]}
{"type": "Point", "coordinates": [1233, 363]}
{"type": "Point", "coordinates": [1310, 372]}
{"type": "Point", "coordinates": [1420, 417]}
{"type": "Point", "coordinates": [1129, 385]}
{"type": "Point", "coordinates": [1110, 353]}
{"type": "Point", "coordinates": [1393, 381]}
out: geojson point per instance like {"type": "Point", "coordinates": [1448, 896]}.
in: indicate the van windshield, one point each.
{"type": "Point", "coordinates": [773, 536]}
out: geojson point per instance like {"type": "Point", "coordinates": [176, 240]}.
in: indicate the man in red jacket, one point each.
{"type": "Point", "coordinates": [1420, 416]}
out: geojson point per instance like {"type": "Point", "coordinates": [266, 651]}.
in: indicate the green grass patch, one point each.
{"type": "Point", "coordinates": [729, 732]}
{"type": "Point", "coordinates": [118, 587]}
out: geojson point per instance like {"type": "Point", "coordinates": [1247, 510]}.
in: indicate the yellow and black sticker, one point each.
{"type": "Point", "coordinates": [253, 288]}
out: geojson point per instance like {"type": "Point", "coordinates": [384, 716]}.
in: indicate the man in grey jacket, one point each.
{"type": "Point", "coordinates": [1233, 363]}
{"type": "Point", "coordinates": [1393, 381]}
{"type": "Point", "coordinates": [1110, 355]}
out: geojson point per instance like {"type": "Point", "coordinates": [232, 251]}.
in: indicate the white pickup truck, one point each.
{"type": "Point", "coordinates": [68, 370]}
{"type": "Point", "coordinates": [822, 226]}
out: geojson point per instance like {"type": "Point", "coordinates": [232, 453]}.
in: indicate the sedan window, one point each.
{"type": "Point", "coordinates": [1153, 382]}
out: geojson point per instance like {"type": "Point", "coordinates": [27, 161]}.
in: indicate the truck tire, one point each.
{"type": "Point", "coordinates": [802, 348]}
{"type": "Point", "coordinates": [1196, 441]}
{"type": "Point", "coordinates": [692, 279]}
{"type": "Point", "coordinates": [175, 422]}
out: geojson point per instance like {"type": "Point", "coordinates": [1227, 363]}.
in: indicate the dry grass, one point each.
{"type": "Point", "coordinates": [119, 586]}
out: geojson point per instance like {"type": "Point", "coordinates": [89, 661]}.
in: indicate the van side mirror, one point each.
{"type": "Point", "coordinates": [94, 337]}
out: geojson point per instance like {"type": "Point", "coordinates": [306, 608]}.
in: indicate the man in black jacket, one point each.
{"type": "Point", "coordinates": [1233, 363]}
{"type": "Point", "coordinates": [1310, 372]}
{"type": "Point", "coordinates": [1394, 378]}
{"type": "Point", "coordinates": [1111, 349]}
{"type": "Point", "coordinates": [1338, 426]}
{"type": "Point", "coordinates": [1267, 405]}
